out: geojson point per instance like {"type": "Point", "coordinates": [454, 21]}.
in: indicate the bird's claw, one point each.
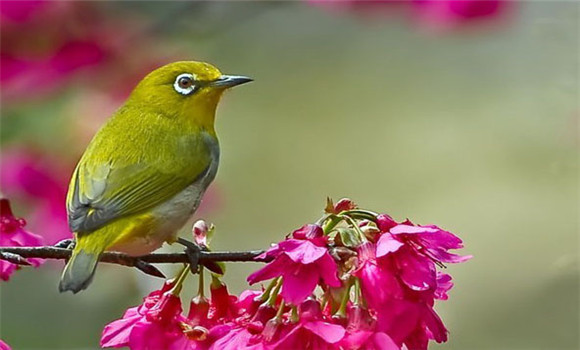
{"type": "Point", "coordinates": [193, 251]}
{"type": "Point", "coordinates": [148, 268]}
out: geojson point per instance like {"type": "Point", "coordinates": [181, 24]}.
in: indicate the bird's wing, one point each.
{"type": "Point", "coordinates": [100, 193]}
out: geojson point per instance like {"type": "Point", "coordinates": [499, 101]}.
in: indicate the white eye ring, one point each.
{"type": "Point", "coordinates": [182, 88]}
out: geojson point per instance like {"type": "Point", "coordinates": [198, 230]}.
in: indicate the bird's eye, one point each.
{"type": "Point", "coordinates": [185, 84]}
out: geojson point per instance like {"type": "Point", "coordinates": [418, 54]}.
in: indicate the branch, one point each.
{"type": "Point", "coordinates": [143, 263]}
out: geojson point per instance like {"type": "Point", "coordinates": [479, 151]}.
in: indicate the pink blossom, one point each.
{"type": "Point", "coordinates": [246, 331]}
{"type": "Point", "coordinates": [239, 338]}
{"type": "Point", "coordinates": [311, 331]}
{"type": "Point", "coordinates": [222, 304]}
{"type": "Point", "coordinates": [377, 283]}
{"type": "Point", "coordinates": [362, 333]}
{"type": "Point", "coordinates": [16, 12]}
{"type": "Point", "coordinates": [430, 241]}
{"type": "Point", "coordinates": [155, 324]}
{"type": "Point", "coordinates": [35, 178]}
{"type": "Point", "coordinates": [399, 280]}
{"type": "Point", "coordinates": [434, 14]}
{"type": "Point", "coordinates": [13, 234]}
{"type": "Point", "coordinates": [443, 14]}
{"type": "Point", "coordinates": [4, 346]}
{"type": "Point", "coordinates": [37, 46]}
{"type": "Point", "coordinates": [444, 284]}
{"type": "Point", "coordinates": [301, 262]}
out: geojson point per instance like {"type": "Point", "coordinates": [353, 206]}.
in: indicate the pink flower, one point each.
{"type": "Point", "coordinates": [35, 178]}
{"type": "Point", "coordinates": [12, 234]}
{"type": "Point", "coordinates": [399, 280]}
{"type": "Point", "coordinates": [4, 346]}
{"type": "Point", "coordinates": [311, 331]}
{"type": "Point", "coordinates": [37, 46]}
{"type": "Point", "coordinates": [429, 241]}
{"type": "Point", "coordinates": [444, 284]}
{"type": "Point", "coordinates": [362, 333]}
{"type": "Point", "coordinates": [443, 14]}
{"type": "Point", "coordinates": [222, 304]}
{"type": "Point", "coordinates": [302, 263]}
{"type": "Point", "coordinates": [155, 324]}
{"type": "Point", "coordinates": [377, 283]}
{"type": "Point", "coordinates": [238, 338]}
{"type": "Point", "coordinates": [435, 14]}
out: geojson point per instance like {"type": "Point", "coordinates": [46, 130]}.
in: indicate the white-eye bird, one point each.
{"type": "Point", "coordinates": [144, 173]}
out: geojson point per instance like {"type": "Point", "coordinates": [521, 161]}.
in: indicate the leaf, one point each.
{"type": "Point", "coordinates": [349, 237]}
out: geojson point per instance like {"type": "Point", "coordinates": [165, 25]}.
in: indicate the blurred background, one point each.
{"type": "Point", "coordinates": [462, 114]}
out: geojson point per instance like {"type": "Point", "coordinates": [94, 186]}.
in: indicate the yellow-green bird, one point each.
{"type": "Point", "coordinates": [144, 173]}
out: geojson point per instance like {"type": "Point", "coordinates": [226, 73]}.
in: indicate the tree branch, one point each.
{"type": "Point", "coordinates": [143, 263]}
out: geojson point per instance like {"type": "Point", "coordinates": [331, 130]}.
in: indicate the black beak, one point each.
{"type": "Point", "coordinates": [228, 81]}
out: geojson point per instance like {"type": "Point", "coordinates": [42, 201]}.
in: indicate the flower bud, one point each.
{"type": "Point", "coordinates": [343, 205]}
{"type": "Point", "coordinates": [200, 230]}
{"type": "Point", "coordinates": [309, 231]}
{"type": "Point", "coordinates": [385, 222]}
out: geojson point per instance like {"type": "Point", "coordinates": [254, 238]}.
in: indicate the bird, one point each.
{"type": "Point", "coordinates": [144, 173]}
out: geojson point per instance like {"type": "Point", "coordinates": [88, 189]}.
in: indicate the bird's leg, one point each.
{"type": "Point", "coordinates": [68, 243]}
{"type": "Point", "coordinates": [193, 251]}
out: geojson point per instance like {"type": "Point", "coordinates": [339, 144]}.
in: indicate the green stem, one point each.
{"type": "Point", "coordinates": [361, 214]}
{"type": "Point", "coordinates": [274, 295]}
{"type": "Point", "coordinates": [294, 317]}
{"type": "Point", "coordinates": [334, 220]}
{"type": "Point", "coordinates": [266, 294]}
{"type": "Point", "coordinates": [341, 312]}
{"type": "Point", "coordinates": [201, 287]}
{"type": "Point", "coordinates": [179, 282]}
{"type": "Point", "coordinates": [280, 311]}
{"type": "Point", "coordinates": [357, 292]}
{"type": "Point", "coordinates": [357, 229]}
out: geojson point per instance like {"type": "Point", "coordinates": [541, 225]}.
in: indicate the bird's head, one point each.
{"type": "Point", "coordinates": [187, 90]}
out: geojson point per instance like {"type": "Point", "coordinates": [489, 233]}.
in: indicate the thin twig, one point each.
{"type": "Point", "coordinates": [14, 255]}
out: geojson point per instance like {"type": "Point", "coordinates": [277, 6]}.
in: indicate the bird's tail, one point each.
{"type": "Point", "coordinates": [79, 271]}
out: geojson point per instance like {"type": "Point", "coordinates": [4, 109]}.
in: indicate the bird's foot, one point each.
{"type": "Point", "coordinates": [68, 243]}
{"type": "Point", "coordinates": [193, 252]}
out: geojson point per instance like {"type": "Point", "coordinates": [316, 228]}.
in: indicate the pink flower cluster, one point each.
{"type": "Point", "coordinates": [353, 280]}
{"type": "Point", "coordinates": [39, 180]}
{"type": "Point", "coordinates": [13, 234]}
{"type": "Point", "coordinates": [435, 15]}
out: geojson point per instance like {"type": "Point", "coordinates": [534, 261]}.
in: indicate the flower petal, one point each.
{"type": "Point", "coordinates": [116, 334]}
{"type": "Point", "coordinates": [409, 229]}
{"type": "Point", "coordinates": [304, 252]}
{"type": "Point", "coordinates": [444, 284]}
{"type": "Point", "coordinates": [298, 285]}
{"type": "Point", "coordinates": [273, 269]}
{"type": "Point", "coordinates": [387, 244]}
{"type": "Point", "coordinates": [381, 341]}
{"type": "Point", "coordinates": [416, 271]}
{"type": "Point", "coordinates": [435, 325]}
{"type": "Point", "coordinates": [328, 271]}
{"type": "Point", "coordinates": [331, 333]}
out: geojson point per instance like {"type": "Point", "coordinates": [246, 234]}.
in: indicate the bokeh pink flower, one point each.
{"type": "Point", "coordinates": [13, 234]}
{"type": "Point", "coordinates": [432, 15]}
{"type": "Point", "coordinates": [40, 180]}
